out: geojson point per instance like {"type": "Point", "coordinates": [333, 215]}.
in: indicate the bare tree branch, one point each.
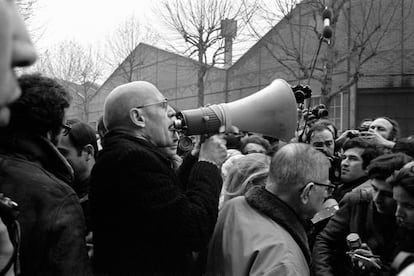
{"type": "Point", "coordinates": [78, 70]}
{"type": "Point", "coordinates": [198, 24]}
{"type": "Point", "coordinates": [122, 44]}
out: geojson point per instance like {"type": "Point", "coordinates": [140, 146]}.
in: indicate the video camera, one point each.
{"type": "Point", "coordinates": [318, 112]}
{"type": "Point", "coordinates": [301, 92]}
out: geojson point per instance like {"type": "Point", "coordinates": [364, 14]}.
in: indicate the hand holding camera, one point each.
{"type": "Point", "coordinates": [361, 255]}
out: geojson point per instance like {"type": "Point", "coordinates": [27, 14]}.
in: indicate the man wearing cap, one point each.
{"type": "Point", "coordinates": [145, 221]}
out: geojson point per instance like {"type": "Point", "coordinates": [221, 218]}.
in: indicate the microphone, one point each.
{"type": "Point", "coordinates": [327, 30]}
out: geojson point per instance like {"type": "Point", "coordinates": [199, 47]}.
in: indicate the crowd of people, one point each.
{"type": "Point", "coordinates": [126, 199]}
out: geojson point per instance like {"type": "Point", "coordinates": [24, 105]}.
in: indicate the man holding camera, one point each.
{"type": "Point", "coordinates": [145, 221]}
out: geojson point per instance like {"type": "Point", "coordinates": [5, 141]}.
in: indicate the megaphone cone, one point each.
{"type": "Point", "coordinates": [271, 111]}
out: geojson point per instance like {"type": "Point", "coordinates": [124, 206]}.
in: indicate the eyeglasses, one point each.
{"type": "Point", "coordinates": [66, 129]}
{"type": "Point", "coordinates": [163, 102]}
{"type": "Point", "coordinates": [329, 187]}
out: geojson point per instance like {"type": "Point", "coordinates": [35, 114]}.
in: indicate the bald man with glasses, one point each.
{"type": "Point", "coordinates": [263, 232]}
{"type": "Point", "coordinates": [144, 219]}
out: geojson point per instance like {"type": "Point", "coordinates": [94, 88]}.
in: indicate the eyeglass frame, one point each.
{"type": "Point", "coordinates": [331, 186]}
{"type": "Point", "coordinates": [66, 128]}
{"type": "Point", "coordinates": [163, 101]}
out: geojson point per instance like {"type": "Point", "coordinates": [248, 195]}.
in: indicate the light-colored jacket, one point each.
{"type": "Point", "coordinates": [247, 242]}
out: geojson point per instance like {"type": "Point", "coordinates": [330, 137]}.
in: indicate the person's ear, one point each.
{"type": "Point", "coordinates": [304, 196]}
{"type": "Point", "coordinates": [89, 151]}
{"type": "Point", "coordinates": [137, 117]}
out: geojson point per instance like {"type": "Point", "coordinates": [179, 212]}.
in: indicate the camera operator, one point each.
{"type": "Point", "coordinates": [321, 137]}
{"type": "Point", "coordinates": [382, 131]}
{"type": "Point", "coordinates": [308, 118]}
{"type": "Point", "coordinates": [370, 215]}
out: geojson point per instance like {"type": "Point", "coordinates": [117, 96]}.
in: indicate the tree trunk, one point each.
{"type": "Point", "coordinates": [200, 84]}
{"type": "Point", "coordinates": [86, 111]}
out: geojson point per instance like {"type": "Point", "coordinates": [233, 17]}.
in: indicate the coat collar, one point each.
{"type": "Point", "coordinates": [277, 210]}
{"type": "Point", "coordinates": [38, 149]}
{"type": "Point", "coordinates": [113, 137]}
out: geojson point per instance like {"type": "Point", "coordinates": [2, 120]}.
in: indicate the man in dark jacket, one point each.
{"type": "Point", "coordinates": [145, 221]}
{"type": "Point", "coordinates": [370, 215]}
{"type": "Point", "coordinates": [37, 177]}
{"type": "Point", "coordinates": [79, 146]}
{"type": "Point", "coordinates": [16, 50]}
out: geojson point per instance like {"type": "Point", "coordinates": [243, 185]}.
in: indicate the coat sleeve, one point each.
{"type": "Point", "coordinates": [188, 217]}
{"type": "Point", "coordinates": [331, 237]}
{"type": "Point", "coordinates": [185, 169]}
{"type": "Point", "coordinates": [68, 252]}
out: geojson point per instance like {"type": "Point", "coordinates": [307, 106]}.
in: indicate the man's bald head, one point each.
{"type": "Point", "coordinates": [294, 165]}
{"type": "Point", "coordinates": [124, 97]}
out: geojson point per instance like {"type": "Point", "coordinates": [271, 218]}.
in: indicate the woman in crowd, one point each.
{"type": "Point", "coordinates": [247, 171]}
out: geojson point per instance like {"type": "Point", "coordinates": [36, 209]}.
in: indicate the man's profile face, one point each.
{"type": "Point", "coordinates": [383, 196]}
{"type": "Point", "coordinates": [405, 207]}
{"type": "Point", "coordinates": [323, 140]}
{"type": "Point", "coordinates": [351, 165]}
{"type": "Point", "coordinates": [159, 125]}
{"type": "Point", "coordinates": [16, 49]}
{"type": "Point", "coordinates": [75, 158]}
{"type": "Point", "coordinates": [319, 193]}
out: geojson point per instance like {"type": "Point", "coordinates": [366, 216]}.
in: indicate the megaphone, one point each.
{"type": "Point", "coordinates": [271, 111]}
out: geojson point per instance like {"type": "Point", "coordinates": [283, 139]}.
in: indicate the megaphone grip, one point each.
{"type": "Point", "coordinates": [201, 121]}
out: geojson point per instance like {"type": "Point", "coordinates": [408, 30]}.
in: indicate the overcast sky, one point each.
{"type": "Point", "coordinates": [87, 21]}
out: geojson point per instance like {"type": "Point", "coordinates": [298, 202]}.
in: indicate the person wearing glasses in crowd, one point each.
{"type": "Point", "coordinates": [16, 50]}
{"type": "Point", "coordinates": [368, 214]}
{"type": "Point", "coordinates": [262, 232]}
{"type": "Point", "coordinates": [144, 219]}
{"type": "Point", "coordinates": [37, 176]}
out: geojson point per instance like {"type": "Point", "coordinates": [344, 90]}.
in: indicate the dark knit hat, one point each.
{"type": "Point", "coordinates": [82, 134]}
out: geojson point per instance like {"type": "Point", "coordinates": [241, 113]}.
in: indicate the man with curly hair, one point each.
{"type": "Point", "coordinates": [36, 175]}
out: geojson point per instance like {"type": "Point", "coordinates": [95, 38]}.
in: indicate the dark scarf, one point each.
{"type": "Point", "coordinates": [277, 210]}
{"type": "Point", "coordinates": [344, 188]}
